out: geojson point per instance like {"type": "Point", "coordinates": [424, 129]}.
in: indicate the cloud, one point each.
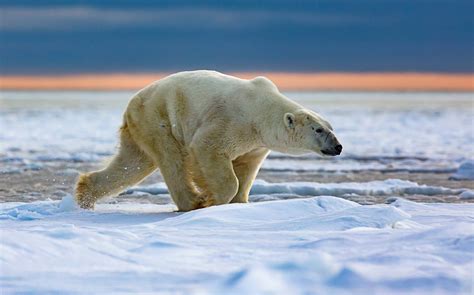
{"type": "Point", "coordinates": [64, 36]}
{"type": "Point", "coordinates": [65, 18]}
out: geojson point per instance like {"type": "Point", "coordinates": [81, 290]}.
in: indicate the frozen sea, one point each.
{"type": "Point", "coordinates": [394, 214]}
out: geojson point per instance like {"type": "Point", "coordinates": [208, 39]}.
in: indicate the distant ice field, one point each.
{"type": "Point", "coordinates": [387, 132]}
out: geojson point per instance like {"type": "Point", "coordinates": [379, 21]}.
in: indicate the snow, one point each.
{"type": "Point", "coordinates": [322, 245]}
{"type": "Point", "coordinates": [305, 238]}
{"type": "Point", "coordinates": [465, 171]}
{"type": "Point", "coordinates": [466, 195]}
{"type": "Point", "coordinates": [373, 188]}
{"type": "Point", "coordinates": [353, 163]}
{"type": "Point", "coordinates": [67, 204]}
{"type": "Point", "coordinates": [262, 190]}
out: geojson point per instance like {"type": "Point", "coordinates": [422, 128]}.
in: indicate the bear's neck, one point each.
{"type": "Point", "coordinates": [271, 127]}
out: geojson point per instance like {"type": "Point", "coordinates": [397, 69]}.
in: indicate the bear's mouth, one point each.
{"type": "Point", "coordinates": [329, 153]}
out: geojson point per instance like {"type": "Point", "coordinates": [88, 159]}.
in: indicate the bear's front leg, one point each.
{"type": "Point", "coordinates": [216, 180]}
{"type": "Point", "coordinates": [246, 168]}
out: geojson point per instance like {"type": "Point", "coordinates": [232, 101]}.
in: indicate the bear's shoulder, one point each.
{"type": "Point", "coordinates": [263, 82]}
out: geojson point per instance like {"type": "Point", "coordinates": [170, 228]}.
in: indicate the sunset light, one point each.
{"type": "Point", "coordinates": [285, 81]}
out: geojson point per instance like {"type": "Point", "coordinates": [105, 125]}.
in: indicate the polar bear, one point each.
{"type": "Point", "coordinates": [208, 133]}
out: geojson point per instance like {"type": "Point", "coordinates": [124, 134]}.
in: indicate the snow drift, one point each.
{"type": "Point", "coordinates": [262, 190]}
{"type": "Point", "coordinates": [316, 245]}
{"type": "Point", "coordinates": [465, 171]}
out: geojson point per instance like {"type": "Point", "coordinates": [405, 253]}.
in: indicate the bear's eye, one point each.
{"type": "Point", "coordinates": [319, 130]}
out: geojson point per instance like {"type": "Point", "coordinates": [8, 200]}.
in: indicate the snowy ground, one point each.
{"type": "Point", "coordinates": [304, 231]}
{"type": "Point", "coordinates": [320, 245]}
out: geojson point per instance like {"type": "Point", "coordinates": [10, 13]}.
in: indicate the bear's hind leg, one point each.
{"type": "Point", "coordinates": [246, 168]}
{"type": "Point", "coordinates": [127, 168]}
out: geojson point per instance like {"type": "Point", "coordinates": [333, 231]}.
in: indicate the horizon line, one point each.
{"type": "Point", "coordinates": [287, 81]}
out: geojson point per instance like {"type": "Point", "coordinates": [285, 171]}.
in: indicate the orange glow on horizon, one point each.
{"type": "Point", "coordinates": [285, 81]}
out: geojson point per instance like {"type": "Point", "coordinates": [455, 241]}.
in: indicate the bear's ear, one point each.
{"type": "Point", "coordinates": [289, 119]}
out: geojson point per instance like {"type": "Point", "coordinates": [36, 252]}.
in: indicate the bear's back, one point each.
{"type": "Point", "coordinates": [201, 90]}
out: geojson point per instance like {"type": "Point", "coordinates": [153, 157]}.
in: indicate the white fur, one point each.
{"type": "Point", "coordinates": [208, 133]}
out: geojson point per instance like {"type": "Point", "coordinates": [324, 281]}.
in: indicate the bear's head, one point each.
{"type": "Point", "coordinates": [307, 131]}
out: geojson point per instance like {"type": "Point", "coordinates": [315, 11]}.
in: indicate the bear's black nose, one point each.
{"type": "Point", "coordinates": [338, 148]}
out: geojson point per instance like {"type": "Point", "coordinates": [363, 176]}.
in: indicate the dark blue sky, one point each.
{"type": "Point", "coordinates": [54, 37]}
